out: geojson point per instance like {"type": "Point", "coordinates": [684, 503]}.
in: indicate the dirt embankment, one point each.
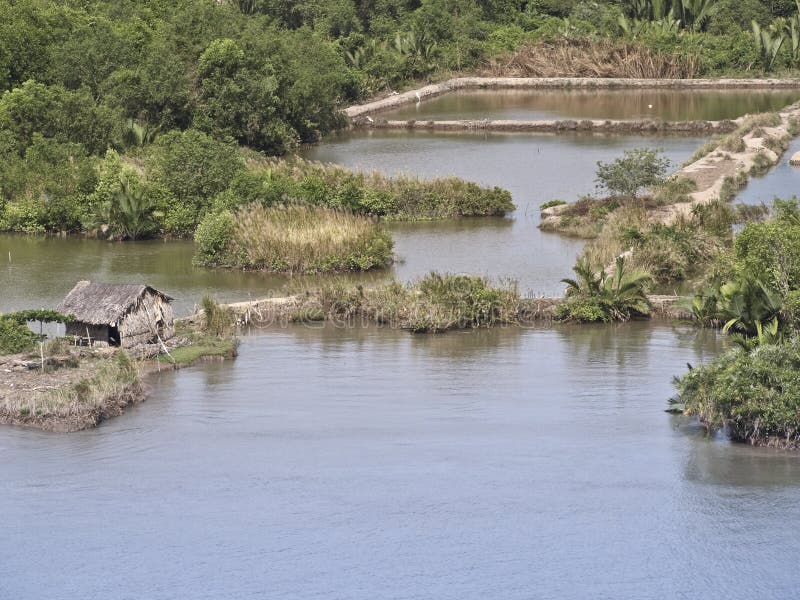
{"type": "Point", "coordinates": [555, 126]}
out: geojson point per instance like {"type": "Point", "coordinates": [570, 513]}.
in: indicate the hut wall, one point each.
{"type": "Point", "coordinates": [98, 332]}
{"type": "Point", "coordinates": [151, 317]}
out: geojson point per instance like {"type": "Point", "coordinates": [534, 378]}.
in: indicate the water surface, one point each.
{"type": "Point", "coordinates": [622, 104]}
{"type": "Point", "coordinates": [364, 464]}
{"type": "Point", "coordinates": [535, 168]}
{"type": "Point", "coordinates": [781, 181]}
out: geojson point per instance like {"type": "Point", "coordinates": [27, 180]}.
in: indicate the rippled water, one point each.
{"type": "Point", "coordinates": [624, 104]}
{"type": "Point", "coordinates": [366, 463]}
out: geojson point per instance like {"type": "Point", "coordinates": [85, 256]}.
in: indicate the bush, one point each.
{"type": "Point", "coordinates": [597, 296]}
{"type": "Point", "coordinates": [214, 237]}
{"type": "Point", "coordinates": [15, 337]}
{"type": "Point", "coordinates": [637, 169]}
{"type": "Point", "coordinates": [755, 395]}
{"type": "Point", "coordinates": [217, 320]}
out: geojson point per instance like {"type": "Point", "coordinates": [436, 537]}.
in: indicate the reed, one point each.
{"type": "Point", "coordinates": [434, 304]}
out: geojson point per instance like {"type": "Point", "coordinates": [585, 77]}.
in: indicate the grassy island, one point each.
{"type": "Point", "coordinates": [293, 239]}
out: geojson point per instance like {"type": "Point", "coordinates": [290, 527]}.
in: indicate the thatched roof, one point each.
{"type": "Point", "coordinates": [104, 303]}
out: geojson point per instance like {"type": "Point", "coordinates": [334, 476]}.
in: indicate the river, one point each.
{"type": "Point", "coordinates": [365, 463]}
{"type": "Point", "coordinates": [369, 463]}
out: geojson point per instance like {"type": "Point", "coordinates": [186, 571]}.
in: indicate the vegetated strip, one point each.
{"type": "Point", "coordinates": [311, 306]}
{"type": "Point", "coordinates": [431, 91]}
{"type": "Point", "coordinates": [595, 125]}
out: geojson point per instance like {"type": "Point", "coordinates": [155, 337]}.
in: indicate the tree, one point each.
{"type": "Point", "coordinates": [193, 167]}
{"type": "Point", "coordinates": [637, 169]}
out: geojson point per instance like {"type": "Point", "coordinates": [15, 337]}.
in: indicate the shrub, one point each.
{"type": "Point", "coordinates": [15, 336]}
{"type": "Point", "coordinates": [217, 320]}
{"type": "Point", "coordinates": [755, 394]}
{"type": "Point", "coordinates": [597, 296]}
{"type": "Point", "coordinates": [214, 237]}
{"type": "Point", "coordinates": [637, 169]}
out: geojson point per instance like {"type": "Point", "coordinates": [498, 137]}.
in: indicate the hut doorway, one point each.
{"type": "Point", "coordinates": [113, 336]}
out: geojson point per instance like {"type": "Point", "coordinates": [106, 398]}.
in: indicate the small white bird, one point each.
{"type": "Point", "coordinates": [649, 106]}
{"type": "Point", "coordinates": [370, 119]}
{"type": "Point", "coordinates": [419, 98]}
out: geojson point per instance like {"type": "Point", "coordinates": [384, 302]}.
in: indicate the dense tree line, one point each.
{"type": "Point", "coordinates": [79, 78]}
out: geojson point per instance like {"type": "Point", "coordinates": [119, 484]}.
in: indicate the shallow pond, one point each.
{"type": "Point", "coordinates": [365, 463]}
{"type": "Point", "coordinates": [622, 104]}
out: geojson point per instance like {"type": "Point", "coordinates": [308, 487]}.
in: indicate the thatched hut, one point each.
{"type": "Point", "coordinates": [126, 315]}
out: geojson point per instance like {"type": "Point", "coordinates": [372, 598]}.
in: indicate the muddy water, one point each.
{"type": "Point", "coordinates": [366, 464]}
{"type": "Point", "coordinates": [623, 104]}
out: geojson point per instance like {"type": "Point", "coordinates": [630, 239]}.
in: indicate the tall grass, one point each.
{"type": "Point", "coordinates": [307, 239]}
{"type": "Point", "coordinates": [434, 304]}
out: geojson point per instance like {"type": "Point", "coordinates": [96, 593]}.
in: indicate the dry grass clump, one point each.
{"type": "Point", "coordinates": [591, 58]}
{"type": "Point", "coordinates": [308, 239]}
{"type": "Point", "coordinates": [668, 252]}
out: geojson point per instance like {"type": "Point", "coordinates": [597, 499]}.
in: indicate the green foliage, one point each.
{"type": "Point", "coordinates": [754, 394]}
{"type": "Point", "coordinates": [771, 250]}
{"type": "Point", "coordinates": [596, 296]}
{"type": "Point", "coordinates": [214, 238]}
{"type": "Point", "coordinates": [637, 169]}
{"type": "Point", "coordinates": [551, 203]}
{"type": "Point", "coordinates": [15, 336]}
{"type": "Point", "coordinates": [193, 167]}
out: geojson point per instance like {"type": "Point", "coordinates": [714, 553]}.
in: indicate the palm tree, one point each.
{"type": "Point", "coordinates": [621, 296]}
{"type": "Point", "coordinates": [588, 282]}
{"type": "Point", "coordinates": [750, 307]}
{"type": "Point", "coordinates": [131, 212]}
{"type": "Point", "coordinates": [626, 292]}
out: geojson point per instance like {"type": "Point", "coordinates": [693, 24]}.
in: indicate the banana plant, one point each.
{"type": "Point", "coordinates": [768, 43]}
{"type": "Point", "coordinates": [695, 13]}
